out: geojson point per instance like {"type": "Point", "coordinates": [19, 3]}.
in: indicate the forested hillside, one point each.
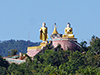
{"type": "Point", "coordinates": [55, 61]}
{"type": "Point", "coordinates": [20, 45]}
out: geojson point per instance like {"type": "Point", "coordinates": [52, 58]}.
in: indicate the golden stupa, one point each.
{"type": "Point", "coordinates": [55, 29]}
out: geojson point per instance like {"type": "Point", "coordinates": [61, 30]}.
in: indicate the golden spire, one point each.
{"type": "Point", "coordinates": [55, 29]}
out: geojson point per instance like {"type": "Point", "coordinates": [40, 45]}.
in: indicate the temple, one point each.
{"type": "Point", "coordinates": [66, 40]}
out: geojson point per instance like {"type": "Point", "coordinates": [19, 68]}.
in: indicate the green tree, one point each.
{"type": "Point", "coordinates": [3, 62]}
{"type": "Point", "coordinates": [2, 71]}
{"type": "Point", "coordinates": [83, 46]}
{"type": "Point", "coordinates": [76, 60]}
{"type": "Point", "coordinates": [12, 67]}
{"type": "Point", "coordinates": [51, 70]}
{"type": "Point", "coordinates": [95, 45]}
{"type": "Point", "coordinates": [91, 59]}
{"type": "Point", "coordinates": [15, 72]}
{"type": "Point", "coordinates": [13, 52]}
{"type": "Point", "coordinates": [87, 71]}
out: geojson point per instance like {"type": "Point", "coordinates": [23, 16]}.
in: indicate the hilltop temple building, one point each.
{"type": "Point", "coordinates": [66, 40]}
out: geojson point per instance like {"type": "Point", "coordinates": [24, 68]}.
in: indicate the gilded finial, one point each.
{"type": "Point", "coordinates": [55, 25]}
{"type": "Point", "coordinates": [55, 29]}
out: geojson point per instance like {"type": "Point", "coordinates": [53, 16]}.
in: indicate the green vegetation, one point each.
{"type": "Point", "coordinates": [12, 52]}
{"type": "Point", "coordinates": [49, 61]}
{"type": "Point", "coordinates": [3, 66]}
{"type": "Point", "coordinates": [20, 45]}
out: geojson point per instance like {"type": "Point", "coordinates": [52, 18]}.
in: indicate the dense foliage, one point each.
{"type": "Point", "coordinates": [20, 45]}
{"type": "Point", "coordinates": [50, 61]}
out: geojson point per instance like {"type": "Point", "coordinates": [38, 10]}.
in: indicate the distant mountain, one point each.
{"type": "Point", "coordinates": [20, 45]}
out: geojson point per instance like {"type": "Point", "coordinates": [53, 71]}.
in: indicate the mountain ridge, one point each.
{"type": "Point", "coordinates": [20, 45]}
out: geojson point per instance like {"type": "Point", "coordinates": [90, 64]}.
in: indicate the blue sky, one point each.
{"type": "Point", "coordinates": [18, 18]}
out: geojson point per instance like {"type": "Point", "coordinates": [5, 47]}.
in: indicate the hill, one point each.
{"type": "Point", "coordinates": [55, 61]}
{"type": "Point", "coordinates": [20, 45]}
